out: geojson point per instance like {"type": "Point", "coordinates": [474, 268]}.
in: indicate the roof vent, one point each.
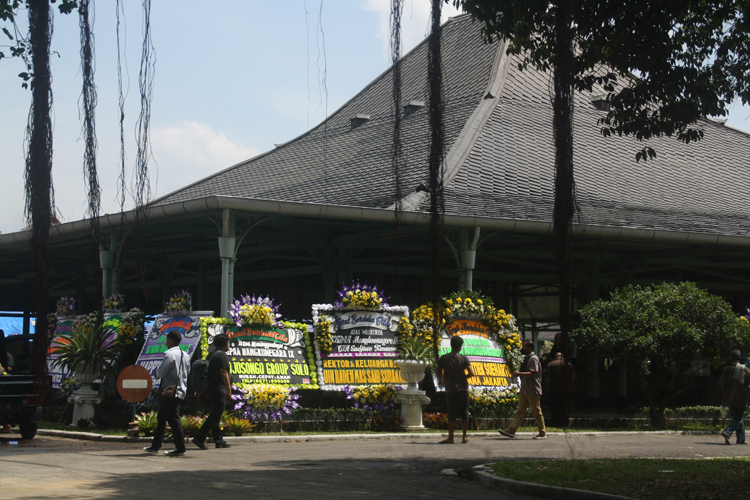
{"type": "Point", "coordinates": [358, 120]}
{"type": "Point", "coordinates": [600, 102]}
{"type": "Point", "coordinates": [413, 107]}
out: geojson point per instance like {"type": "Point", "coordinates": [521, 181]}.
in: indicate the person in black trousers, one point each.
{"type": "Point", "coordinates": [218, 392]}
{"type": "Point", "coordinates": [173, 371]}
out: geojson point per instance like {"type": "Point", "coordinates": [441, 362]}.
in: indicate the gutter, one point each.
{"type": "Point", "coordinates": [200, 206]}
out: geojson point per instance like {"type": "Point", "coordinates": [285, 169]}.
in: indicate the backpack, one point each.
{"type": "Point", "coordinates": [199, 374]}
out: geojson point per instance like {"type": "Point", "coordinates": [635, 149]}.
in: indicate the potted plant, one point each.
{"type": "Point", "coordinates": [88, 350]}
{"type": "Point", "coordinates": [414, 356]}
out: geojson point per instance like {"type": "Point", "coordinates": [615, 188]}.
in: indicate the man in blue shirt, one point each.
{"type": "Point", "coordinates": [173, 371]}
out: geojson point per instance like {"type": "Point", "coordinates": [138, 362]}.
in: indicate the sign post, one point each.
{"type": "Point", "coordinates": [134, 385]}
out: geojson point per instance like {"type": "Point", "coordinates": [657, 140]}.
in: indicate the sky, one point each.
{"type": "Point", "coordinates": [232, 78]}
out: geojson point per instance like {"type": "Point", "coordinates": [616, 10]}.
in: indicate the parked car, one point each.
{"type": "Point", "coordinates": [20, 401]}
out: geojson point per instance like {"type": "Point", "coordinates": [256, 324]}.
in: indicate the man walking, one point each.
{"type": "Point", "coordinates": [173, 373]}
{"type": "Point", "coordinates": [219, 391]}
{"type": "Point", "coordinates": [454, 372]}
{"type": "Point", "coordinates": [530, 393]}
{"type": "Point", "coordinates": [734, 380]}
{"type": "Point", "coordinates": [559, 380]}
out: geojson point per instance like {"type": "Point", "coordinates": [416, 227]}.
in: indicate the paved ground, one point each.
{"type": "Point", "coordinates": [399, 468]}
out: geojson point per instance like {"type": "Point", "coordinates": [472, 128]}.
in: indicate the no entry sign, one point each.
{"type": "Point", "coordinates": [134, 383]}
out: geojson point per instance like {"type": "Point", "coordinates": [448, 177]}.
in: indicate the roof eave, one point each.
{"type": "Point", "coordinates": [338, 212]}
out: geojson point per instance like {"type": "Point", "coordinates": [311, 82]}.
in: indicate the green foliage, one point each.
{"type": "Point", "coordinates": [691, 57]}
{"type": "Point", "coordinates": [19, 45]}
{"type": "Point", "coordinates": [645, 478]}
{"type": "Point", "coordinates": [415, 348]}
{"type": "Point", "coordinates": [435, 420]}
{"type": "Point", "coordinates": [493, 403]}
{"type": "Point", "coordinates": [668, 325]}
{"type": "Point", "coordinates": [238, 426]}
{"type": "Point", "coordinates": [689, 411]}
{"type": "Point", "coordinates": [146, 422]}
{"type": "Point", "coordinates": [191, 424]}
{"type": "Point", "coordinates": [86, 346]}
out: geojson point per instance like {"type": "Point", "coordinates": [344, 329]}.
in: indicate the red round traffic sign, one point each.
{"type": "Point", "coordinates": [134, 383]}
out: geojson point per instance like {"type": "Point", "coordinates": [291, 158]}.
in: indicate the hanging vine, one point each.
{"type": "Point", "coordinates": [87, 105]}
{"type": "Point", "coordinates": [320, 39]}
{"type": "Point", "coordinates": [122, 187]}
{"type": "Point", "coordinates": [397, 7]}
{"type": "Point", "coordinates": [565, 195]}
{"type": "Point", "coordinates": [437, 140]}
{"type": "Point", "coordinates": [142, 182]}
{"type": "Point", "coordinates": [38, 174]}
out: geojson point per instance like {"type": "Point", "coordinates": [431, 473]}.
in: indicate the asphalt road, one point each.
{"type": "Point", "coordinates": [397, 468]}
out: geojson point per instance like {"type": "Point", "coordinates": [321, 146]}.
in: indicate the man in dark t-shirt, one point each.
{"type": "Point", "coordinates": [454, 372]}
{"type": "Point", "coordinates": [734, 380]}
{"type": "Point", "coordinates": [219, 391]}
{"type": "Point", "coordinates": [559, 379]}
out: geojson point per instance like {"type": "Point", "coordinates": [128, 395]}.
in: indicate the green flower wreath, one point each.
{"type": "Point", "coordinates": [204, 322]}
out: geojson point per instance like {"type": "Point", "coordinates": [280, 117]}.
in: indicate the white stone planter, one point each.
{"type": "Point", "coordinates": [84, 398]}
{"type": "Point", "coordinates": [412, 372]}
{"type": "Point", "coordinates": [411, 398]}
{"type": "Point", "coordinates": [86, 376]}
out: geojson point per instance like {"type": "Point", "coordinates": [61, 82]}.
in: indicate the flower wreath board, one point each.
{"type": "Point", "coordinates": [62, 332]}
{"type": "Point", "coordinates": [188, 325]}
{"type": "Point", "coordinates": [363, 345]}
{"type": "Point", "coordinates": [264, 354]}
{"type": "Point", "coordinates": [487, 357]}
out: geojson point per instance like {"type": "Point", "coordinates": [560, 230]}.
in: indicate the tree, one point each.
{"type": "Point", "coordinates": [657, 333]}
{"type": "Point", "coordinates": [35, 52]}
{"type": "Point", "coordinates": [691, 58]}
{"type": "Point", "coordinates": [38, 174]}
{"type": "Point", "coordinates": [664, 64]}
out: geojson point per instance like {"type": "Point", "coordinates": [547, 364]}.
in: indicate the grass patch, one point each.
{"type": "Point", "coordinates": [644, 478]}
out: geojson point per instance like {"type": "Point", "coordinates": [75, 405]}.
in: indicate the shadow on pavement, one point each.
{"type": "Point", "coordinates": [328, 479]}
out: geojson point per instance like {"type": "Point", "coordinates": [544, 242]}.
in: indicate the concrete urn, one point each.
{"type": "Point", "coordinates": [84, 398]}
{"type": "Point", "coordinates": [412, 372]}
{"type": "Point", "coordinates": [411, 399]}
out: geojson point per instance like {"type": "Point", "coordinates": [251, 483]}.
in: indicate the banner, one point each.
{"type": "Point", "coordinates": [363, 347]}
{"type": "Point", "coordinates": [264, 354]}
{"type": "Point", "coordinates": [62, 332]}
{"type": "Point", "coordinates": [155, 345]}
{"type": "Point", "coordinates": [486, 356]}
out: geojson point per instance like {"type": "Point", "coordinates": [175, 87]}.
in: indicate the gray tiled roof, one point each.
{"type": "Point", "coordinates": [332, 164]}
{"type": "Point", "coordinates": [508, 172]}
{"type": "Point", "coordinates": [701, 187]}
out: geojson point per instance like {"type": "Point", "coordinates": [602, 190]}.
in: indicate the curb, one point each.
{"type": "Point", "coordinates": [478, 475]}
{"type": "Point", "coordinates": [91, 436]}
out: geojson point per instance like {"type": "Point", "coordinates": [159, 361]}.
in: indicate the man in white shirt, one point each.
{"type": "Point", "coordinates": [173, 371]}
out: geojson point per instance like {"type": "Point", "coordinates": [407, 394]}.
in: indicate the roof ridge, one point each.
{"type": "Point", "coordinates": [462, 146]}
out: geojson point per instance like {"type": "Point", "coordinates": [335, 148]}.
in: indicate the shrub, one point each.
{"type": "Point", "coordinates": [145, 422]}
{"type": "Point", "coordinates": [435, 420]}
{"type": "Point", "coordinates": [238, 426]}
{"type": "Point", "coordinates": [191, 424]}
